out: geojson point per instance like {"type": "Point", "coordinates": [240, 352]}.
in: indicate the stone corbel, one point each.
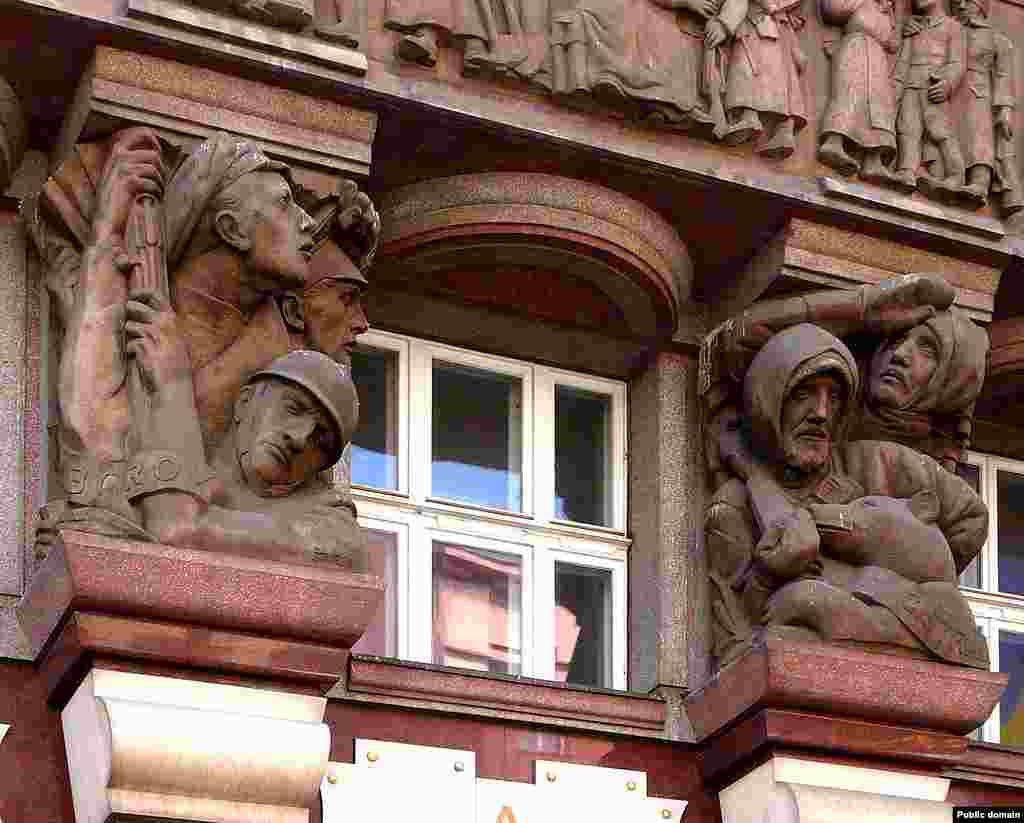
{"type": "Point", "coordinates": [175, 749]}
{"type": "Point", "coordinates": [792, 790]}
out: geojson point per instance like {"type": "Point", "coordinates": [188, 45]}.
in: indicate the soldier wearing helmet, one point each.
{"type": "Point", "coordinates": [346, 231]}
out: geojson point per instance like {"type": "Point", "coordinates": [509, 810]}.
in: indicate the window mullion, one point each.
{"type": "Point", "coordinates": [420, 421]}
{"type": "Point", "coordinates": [544, 445]}
{"type": "Point", "coordinates": [420, 612]}
{"type": "Point", "coordinates": [543, 612]}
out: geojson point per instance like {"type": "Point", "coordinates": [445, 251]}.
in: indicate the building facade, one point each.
{"type": "Point", "coordinates": [572, 200]}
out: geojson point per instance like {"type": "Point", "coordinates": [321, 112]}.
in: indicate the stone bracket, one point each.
{"type": "Point", "coordinates": [188, 750]}
{"type": "Point", "coordinates": [792, 790]}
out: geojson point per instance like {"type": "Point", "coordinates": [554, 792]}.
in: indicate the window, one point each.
{"type": "Point", "coordinates": [994, 586]}
{"type": "Point", "coordinates": [494, 495]}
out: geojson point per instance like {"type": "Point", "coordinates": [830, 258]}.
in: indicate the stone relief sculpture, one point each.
{"type": "Point", "coordinates": [765, 71]}
{"type": "Point", "coordinates": [990, 110]}
{"type": "Point", "coordinates": [830, 520]}
{"type": "Point", "coordinates": [861, 113]}
{"type": "Point", "coordinates": [191, 411]}
{"type": "Point", "coordinates": [929, 69]}
{"type": "Point", "coordinates": [348, 26]}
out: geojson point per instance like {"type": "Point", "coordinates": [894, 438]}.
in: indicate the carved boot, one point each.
{"type": "Point", "coordinates": [905, 179]}
{"type": "Point", "coordinates": [474, 56]}
{"type": "Point", "coordinates": [832, 153]}
{"type": "Point", "coordinates": [875, 171]}
{"type": "Point", "coordinates": [748, 127]}
{"type": "Point", "coordinates": [419, 47]}
{"type": "Point", "coordinates": [338, 33]}
{"type": "Point", "coordinates": [782, 142]}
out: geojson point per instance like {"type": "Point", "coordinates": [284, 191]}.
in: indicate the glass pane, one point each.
{"type": "Point", "coordinates": [971, 576]}
{"type": "Point", "coordinates": [1011, 706]}
{"type": "Point", "coordinates": [375, 446]}
{"type": "Point", "coordinates": [1010, 503]}
{"type": "Point", "coordinates": [582, 449]}
{"type": "Point", "coordinates": [583, 625]}
{"type": "Point", "coordinates": [381, 637]}
{"type": "Point", "coordinates": [477, 439]}
{"type": "Point", "coordinates": [478, 609]}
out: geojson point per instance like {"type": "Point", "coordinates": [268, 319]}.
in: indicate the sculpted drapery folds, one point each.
{"type": "Point", "coordinates": [828, 539]}
{"type": "Point", "coordinates": [989, 111]}
{"type": "Point", "coordinates": [764, 72]}
{"type": "Point", "coordinates": [238, 247]}
{"type": "Point", "coordinates": [820, 527]}
{"type": "Point", "coordinates": [861, 112]}
{"type": "Point", "coordinates": [929, 70]}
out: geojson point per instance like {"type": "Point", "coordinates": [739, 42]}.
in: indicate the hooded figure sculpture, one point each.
{"type": "Point", "coordinates": [857, 542]}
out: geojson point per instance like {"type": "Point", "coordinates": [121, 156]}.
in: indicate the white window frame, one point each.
{"type": "Point", "coordinates": [534, 533]}
{"type": "Point", "coordinates": [385, 341]}
{"type": "Point", "coordinates": [994, 611]}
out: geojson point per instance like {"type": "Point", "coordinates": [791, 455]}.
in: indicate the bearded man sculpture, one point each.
{"type": "Point", "coordinates": [817, 536]}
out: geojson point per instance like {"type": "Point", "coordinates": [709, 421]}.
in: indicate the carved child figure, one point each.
{"type": "Point", "coordinates": [989, 150]}
{"type": "Point", "coordinates": [928, 71]}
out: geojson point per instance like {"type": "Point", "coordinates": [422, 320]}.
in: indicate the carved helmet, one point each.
{"type": "Point", "coordinates": [328, 381]}
{"type": "Point", "coordinates": [788, 358]}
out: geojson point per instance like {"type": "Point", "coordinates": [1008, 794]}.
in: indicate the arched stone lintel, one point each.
{"type": "Point", "coordinates": [634, 251]}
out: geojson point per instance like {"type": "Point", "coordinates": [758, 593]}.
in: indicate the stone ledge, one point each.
{"type": "Point", "coordinates": [438, 687]}
{"type": "Point", "coordinates": [315, 603]}
{"type": "Point", "coordinates": [778, 673]}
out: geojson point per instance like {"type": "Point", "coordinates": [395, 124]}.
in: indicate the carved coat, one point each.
{"type": "Point", "coordinates": [858, 469]}
{"type": "Point", "coordinates": [863, 105]}
{"type": "Point", "coordinates": [638, 52]}
{"type": "Point", "coordinates": [989, 84]}
{"type": "Point", "coordinates": [767, 62]}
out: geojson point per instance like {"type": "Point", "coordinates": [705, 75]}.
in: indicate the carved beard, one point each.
{"type": "Point", "coordinates": [802, 459]}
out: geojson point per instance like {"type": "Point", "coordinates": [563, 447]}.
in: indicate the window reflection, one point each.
{"type": "Point", "coordinates": [583, 625]}
{"type": "Point", "coordinates": [971, 576]}
{"type": "Point", "coordinates": [1010, 503]}
{"type": "Point", "coordinates": [375, 445]}
{"type": "Point", "coordinates": [477, 437]}
{"type": "Point", "coordinates": [478, 608]}
{"type": "Point", "coordinates": [582, 431]}
{"type": "Point", "coordinates": [381, 636]}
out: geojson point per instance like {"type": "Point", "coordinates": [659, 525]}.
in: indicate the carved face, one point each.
{"type": "Point", "coordinates": [272, 231]}
{"type": "Point", "coordinates": [903, 369]}
{"type": "Point", "coordinates": [283, 435]}
{"type": "Point", "coordinates": [810, 414]}
{"type": "Point", "coordinates": [335, 317]}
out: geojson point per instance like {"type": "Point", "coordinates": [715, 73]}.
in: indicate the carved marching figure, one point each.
{"type": "Point", "coordinates": [861, 113]}
{"type": "Point", "coordinates": [348, 26]}
{"type": "Point", "coordinates": [928, 71]}
{"type": "Point", "coordinates": [989, 152]}
{"type": "Point", "coordinates": [765, 71]}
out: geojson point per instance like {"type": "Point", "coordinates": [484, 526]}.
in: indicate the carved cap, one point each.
{"type": "Point", "coordinates": [207, 171]}
{"type": "Point", "coordinates": [328, 381]}
{"type": "Point", "coordinates": [788, 358]}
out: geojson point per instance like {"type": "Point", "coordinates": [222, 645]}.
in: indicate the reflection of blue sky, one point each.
{"type": "Point", "coordinates": [479, 485]}
{"type": "Point", "coordinates": [1011, 661]}
{"type": "Point", "coordinates": [374, 468]}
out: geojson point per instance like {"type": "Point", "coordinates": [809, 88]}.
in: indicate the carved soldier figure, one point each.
{"type": "Point", "coordinates": [928, 71]}
{"type": "Point", "coordinates": [841, 541]}
{"type": "Point", "coordinates": [765, 71]}
{"type": "Point", "coordinates": [861, 112]}
{"type": "Point", "coordinates": [989, 152]}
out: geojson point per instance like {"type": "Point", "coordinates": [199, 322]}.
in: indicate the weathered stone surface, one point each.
{"type": "Point", "coordinates": [848, 682]}
{"type": "Point", "coordinates": [313, 603]}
